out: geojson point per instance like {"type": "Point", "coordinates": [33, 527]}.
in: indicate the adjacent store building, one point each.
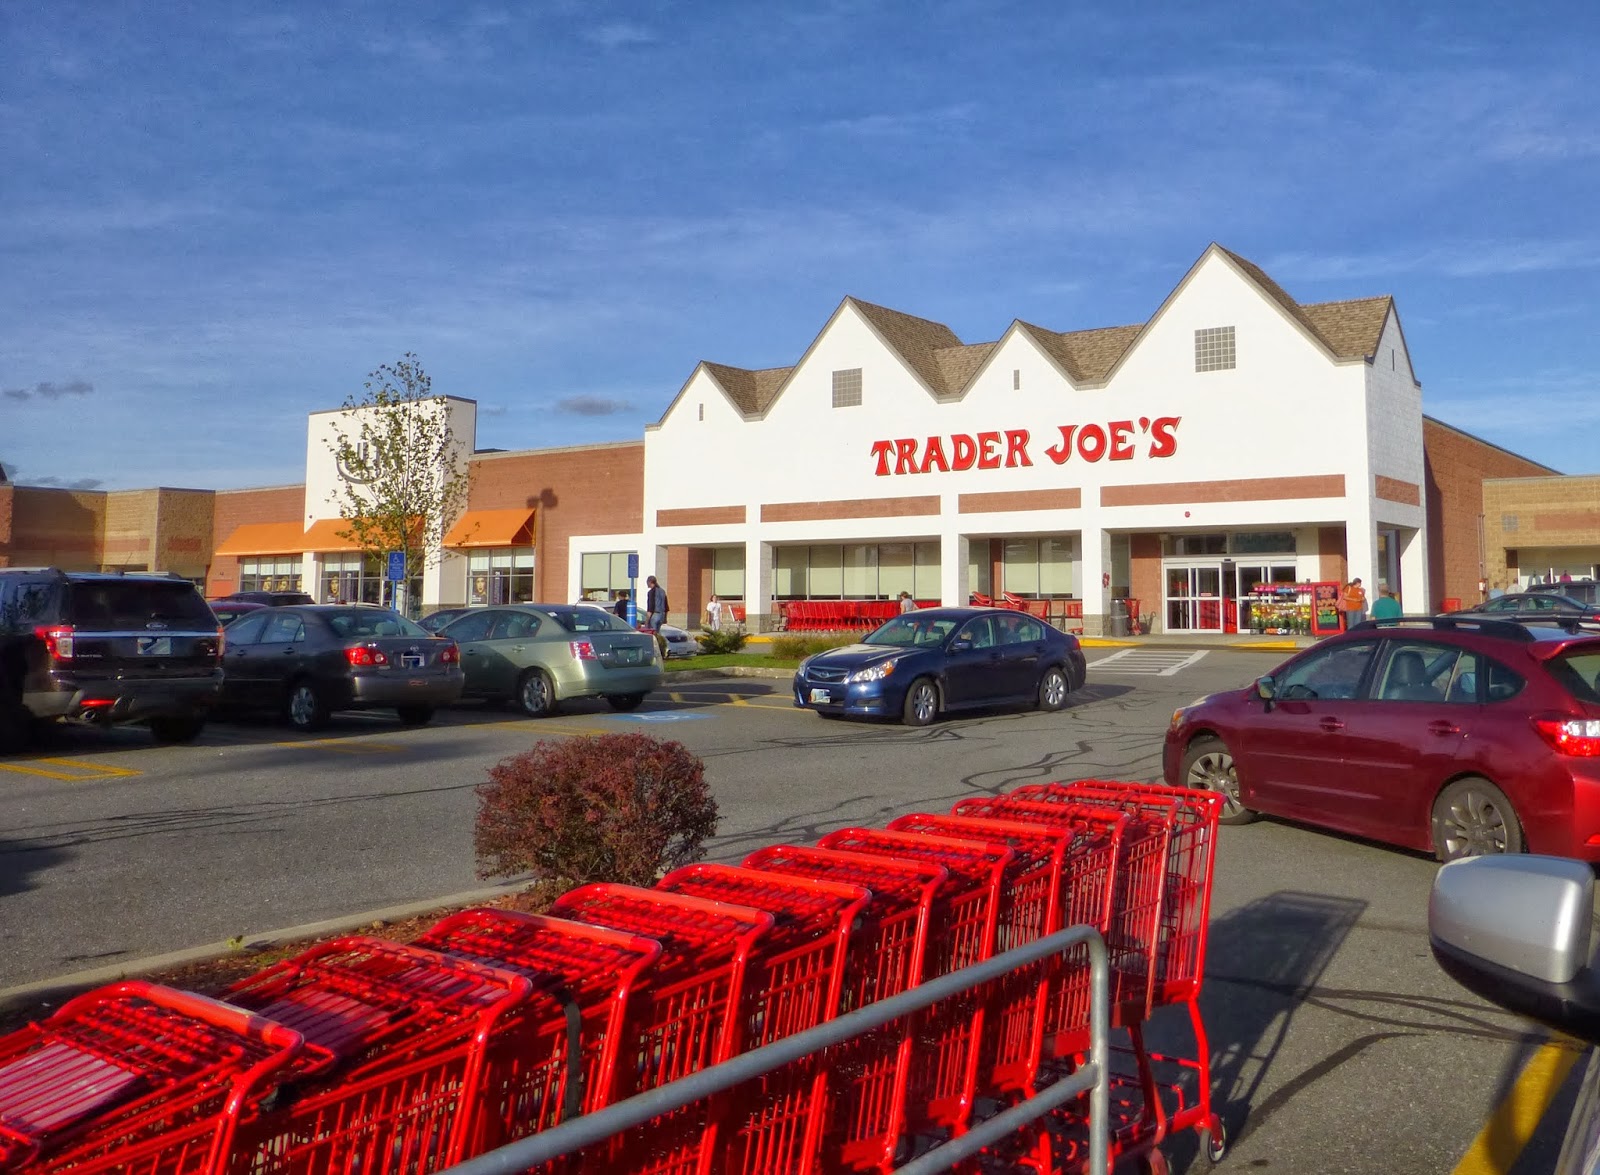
{"type": "Point", "coordinates": [1236, 443]}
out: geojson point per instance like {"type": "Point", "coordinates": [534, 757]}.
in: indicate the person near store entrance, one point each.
{"type": "Point", "coordinates": [1354, 603]}
{"type": "Point", "coordinates": [655, 604]}
{"type": "Point", "coordinates": [1387, 607]}
{"type": "Point", "coordinates": [714, 615]}
{"type": "Point", "coordinates": [907, 604]}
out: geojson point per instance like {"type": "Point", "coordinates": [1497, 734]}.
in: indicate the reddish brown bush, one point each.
{"type": "Point", "coordinates": [618, 807]}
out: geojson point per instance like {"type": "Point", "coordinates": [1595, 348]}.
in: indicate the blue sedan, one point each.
{"type": "Point", "coordinates": [923, 663]}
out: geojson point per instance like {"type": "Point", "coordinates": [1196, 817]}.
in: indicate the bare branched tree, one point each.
{"type": "Point", "coordinates": [403, 473]}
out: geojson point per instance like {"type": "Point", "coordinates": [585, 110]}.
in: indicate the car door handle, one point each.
{"type": "Point", "coordinates": [1331, 725]}
{"type": "Point", "coordinates": [1443, 727]}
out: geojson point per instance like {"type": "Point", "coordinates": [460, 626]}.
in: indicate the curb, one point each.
{"type": "Point", "coordinates": [76, 981]}
{"type": "Point", "coordinates": [727, 671]}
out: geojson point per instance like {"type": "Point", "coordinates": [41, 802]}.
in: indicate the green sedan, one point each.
{"type": "Point", "coordinates": [540, 655]}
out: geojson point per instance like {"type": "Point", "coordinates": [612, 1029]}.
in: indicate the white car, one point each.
{"type": "Point", "coordinates": [679, 642]}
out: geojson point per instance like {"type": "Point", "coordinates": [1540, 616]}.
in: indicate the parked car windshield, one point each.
{"type": "Point", "coordinates": [587, 619]}
{"type": "Point", "coordinates": [910, 631]}
{"type": "Point", "coordinates": [363, 622]}
{"type": "Point", "coordinates": [110, 604]}
{"type": "Point", "coordinates": [1579, 673]}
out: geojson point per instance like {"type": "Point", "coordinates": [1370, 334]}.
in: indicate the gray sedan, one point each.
{"type": "Point", "coordinates": [540, 655]}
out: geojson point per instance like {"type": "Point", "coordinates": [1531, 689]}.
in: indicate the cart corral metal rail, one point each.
{"type": "Point", "coordinates": [1091, 1076]}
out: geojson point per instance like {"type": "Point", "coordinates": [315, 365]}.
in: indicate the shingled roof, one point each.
{"type": "Point", "coordinates": [1349, 330]}
{"type": "Point", "coordinates": [750, 391]}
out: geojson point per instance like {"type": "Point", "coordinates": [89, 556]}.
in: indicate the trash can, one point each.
{"type": "Point", "coordinates": [1119, 618]}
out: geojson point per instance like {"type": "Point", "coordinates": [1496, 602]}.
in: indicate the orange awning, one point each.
{"type": "Point", "coordinates": [492, 528]}
{"type": "Point", "coordinates": [323, 535]}
{"type": "Point", "coordinates": [265, 538]}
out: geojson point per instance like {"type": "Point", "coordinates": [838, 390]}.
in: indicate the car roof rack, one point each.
{"type": "Point", "coordinates": [1450, 622]}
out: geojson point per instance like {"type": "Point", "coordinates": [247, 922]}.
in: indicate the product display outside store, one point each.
{"type": "Point", "coordinates": [1294, 609]}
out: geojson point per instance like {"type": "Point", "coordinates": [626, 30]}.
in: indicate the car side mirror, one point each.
{"type": "Point", "coordinates": [1516, 930]}
{"type": "Point", "coordinates": [960, 645]}
{"type": "Point", "coordinates": [1266, 690]}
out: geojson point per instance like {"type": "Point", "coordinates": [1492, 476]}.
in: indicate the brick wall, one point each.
{"type": "Point", "coordinates": [688, 584]}
{"type": "Point", "coordinates": [130, 530]}
{"type": "Point", "coordinates": [7, 492]}
{"type": "Point", "coordinates": [1144, 569]}
{"type": "Point", "coordinates": [184, 524]}
{"type": "Point", "coordinates": [57, 528]}
{"type": "Point", "coordinates": [595, 489]}
{"type": "Point", "coordinates": [234, 508]}
{"type": "Point", "coordinates": [1457, 465]}
{"type": "Point", "coordinates": [1331, 555]}
{"type": "Point", "coordinates": [1543, 514]}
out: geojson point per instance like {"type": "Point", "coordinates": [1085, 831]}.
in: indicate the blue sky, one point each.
{"type": "Point", "coordinates": [215, 218]}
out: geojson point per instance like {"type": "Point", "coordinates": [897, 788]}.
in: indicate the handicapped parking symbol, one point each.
{"type": "Point", "coordinates": [659, 716]}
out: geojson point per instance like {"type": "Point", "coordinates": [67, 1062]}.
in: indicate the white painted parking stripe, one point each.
{"type": "Point", "coordinates": [1184, 664]}
{"type": "Point", "coordinates": [1148, 662]}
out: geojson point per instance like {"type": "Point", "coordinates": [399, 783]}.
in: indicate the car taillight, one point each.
{"type": "Point", "coordinates": [57, 640]}
{"type": "Point", "coordinates": [582, 650]}
{"type": "Point", "coordinates": [451, 655]}
{"type": "Point", "coordinates": [1578, 737]}
{"type": "Point", "coordinates": [363, 655]}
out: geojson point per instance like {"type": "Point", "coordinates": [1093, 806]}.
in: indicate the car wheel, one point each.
{"type": "Point", "coordinates": [176, 730]}
{"type": "Point", "coordinates": [536, 694]}
{"type": "Point", "coordinates": [414, 715]}
{"type": "Point", "coordinates": [1472, 818]}
{"type": "Point", "coordinates": [1053, 689]}
{"type": "Point", "coordinates": [625, 701]}
{"type": "Point", "coordinates": [1209, 766]}
{"type": "Point", "coordinates": [305, 708]}
{"type": "Point", "coordinates": [922, 703]}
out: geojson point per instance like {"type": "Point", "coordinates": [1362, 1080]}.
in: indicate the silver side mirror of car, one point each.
{"type": "Point", "coordinates": [1517, 930]}
{"type": "Point", "coordinates": [1266, 689]}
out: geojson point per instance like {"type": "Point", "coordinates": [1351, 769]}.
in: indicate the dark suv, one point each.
{"type": "Point", "coordinates": [1457, 734]}
{"type": "Point", "coordinates": [105, 648]}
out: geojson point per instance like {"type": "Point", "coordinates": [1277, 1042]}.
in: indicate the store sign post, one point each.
{"type": "Point", "coordinates": [1117, 440]}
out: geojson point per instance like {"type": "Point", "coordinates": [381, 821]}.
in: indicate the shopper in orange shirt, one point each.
{"type": "Point", "coordinates": [1354, 604]}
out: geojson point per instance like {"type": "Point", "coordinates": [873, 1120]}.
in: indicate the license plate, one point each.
{"type": "Point", "coordinates": [155, 646]}
{"type": "Point", "coordinates": [821, 696]}
{"type": "Point", "coordinates": [411, 660]}
{"type": "Point", "coordinates": [629, 656]}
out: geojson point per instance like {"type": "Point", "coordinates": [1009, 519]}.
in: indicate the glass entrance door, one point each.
{"type": "Point", "coordinates": [1194, 597]}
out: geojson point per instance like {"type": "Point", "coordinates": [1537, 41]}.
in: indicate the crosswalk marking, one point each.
{"type": "Point", "coordinates": [1148, 662]}
{"type": "Point", "coordinates": [79, 770]}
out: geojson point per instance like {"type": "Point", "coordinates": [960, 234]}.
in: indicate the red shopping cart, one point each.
{"type": "Point", "coordinates": [406, 1030]}
{"type": "Point", "coordinates": [794, 980]}
{"type": "Point", "coordinates": [886, 956]}
{"type": "Point", "coordinates": [535, 1078]}
{"type": "Point", "coordinates": [685, 1016]}
{"type": "Point", "coordinates": [944, 1069]}
{"type": "Point", "coordinates": [136, 1079]}
{"type": "Point", "coordinates": [1183, 1099]}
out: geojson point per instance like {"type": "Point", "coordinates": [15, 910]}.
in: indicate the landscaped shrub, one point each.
{"type": "Point", "coordinates": [722, 640]}
{"type": "Point", "coordinates": [794, 648]}
{"type": "Point", "coordinates": [617, 807]}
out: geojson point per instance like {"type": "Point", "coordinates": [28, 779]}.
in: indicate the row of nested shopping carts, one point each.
{"type": "Point", "coordinates": [363, 1055]}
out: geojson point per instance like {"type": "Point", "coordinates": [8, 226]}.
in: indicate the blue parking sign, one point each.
{"type": "Point", "coordinates": [397, 566]}
{"type": "Point", "coordinates": [633, 564]}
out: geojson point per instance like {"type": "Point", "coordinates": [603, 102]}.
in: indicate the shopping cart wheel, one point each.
{"type": "Point", "coordinates": [1214, 1140]}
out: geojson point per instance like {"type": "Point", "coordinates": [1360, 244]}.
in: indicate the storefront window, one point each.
{"type": "Point", "coordinates": [1038, 567]}
{"type": "Point", "coordinates": [980, 575]}
{"type": "Point", "coordinates": [1264, 542]}
{"type": "Point", "coordinates": [352, 578]}
{"type": "Point", "coordinates": [280, 573]}
{"type": "Point", "coordinates": [727, 573]}
{"type": "Point", "coordinates": [1198, 544]}
{"type": "Point", "coordinates": [601, 574]}
{"type": "Point", "coordinates": [504, 575]}
{"type": "Point", "coordinates": [855, 571]}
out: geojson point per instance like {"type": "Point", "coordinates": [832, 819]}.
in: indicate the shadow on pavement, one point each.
{"type": "Point", "coordinates": [1280, 945]}
{"type": "Point", "coordinates": [20, 860]}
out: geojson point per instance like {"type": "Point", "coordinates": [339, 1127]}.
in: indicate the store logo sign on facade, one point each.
{"type": "Point", "coordinates": [1119, 440]}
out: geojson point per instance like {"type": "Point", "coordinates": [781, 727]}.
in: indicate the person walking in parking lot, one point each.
{"type": "Point", "coordinates": [907, 604]}
{"type": "Point", "coordinates": [1354, 603]}
{"type": "Point", "coordinates": [655, 604]}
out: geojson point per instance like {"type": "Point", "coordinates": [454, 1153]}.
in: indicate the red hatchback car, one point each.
{"type": "Point", "coordinates": [1457, 735]}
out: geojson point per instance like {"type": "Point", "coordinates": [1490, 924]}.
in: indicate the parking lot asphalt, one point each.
{"type": "Point", "coordinates": [1338, 1045]}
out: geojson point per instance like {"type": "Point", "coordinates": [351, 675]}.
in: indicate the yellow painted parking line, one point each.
{"type": "Point", "coordinates": [81, 771]}
{"type": "Point", "coordinates": [1514, 1120]}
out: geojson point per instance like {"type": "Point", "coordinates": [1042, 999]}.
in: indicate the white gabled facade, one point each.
{"type": "Point", "coordinates": [1105, 448]}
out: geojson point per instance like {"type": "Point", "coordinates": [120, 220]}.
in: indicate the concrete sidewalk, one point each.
{"type": "Point", "coordinates": [1248, 642]}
